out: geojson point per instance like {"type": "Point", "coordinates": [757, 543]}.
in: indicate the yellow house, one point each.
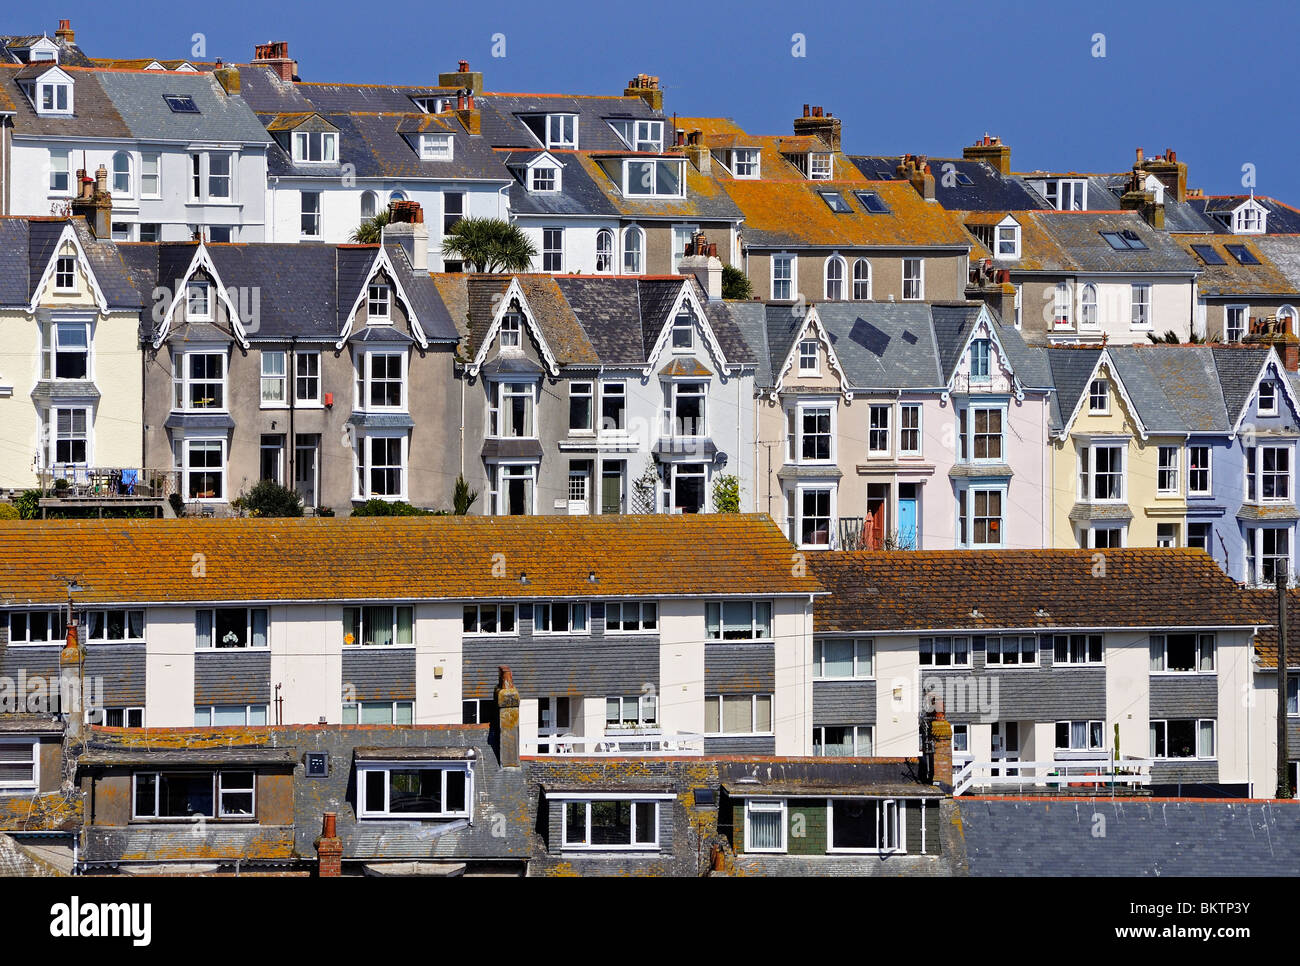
{"type": "Point", "coordinates": [1118, 452]}
{"type": "Point", "coordinates": [70, 363]}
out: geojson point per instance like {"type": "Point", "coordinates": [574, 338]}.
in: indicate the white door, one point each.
{"type": "Point", "coordinates": [579, 504]}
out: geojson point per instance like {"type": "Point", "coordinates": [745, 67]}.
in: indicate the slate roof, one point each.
{"type": "Point", "coordinates": [28, 244]}
{"type": "Point", "coordinates": [705, 198]}
{"type": "Point", "coordinates": [425, 558]}
{"type": "Point", "coordinates": [1055, 837]}
{"type": "Point", "coordinates": [579, 192]}
{"type": "Point", "coordinates": [1071, 369]}
{"type": "Point", "coordinates": [1056, 242]}
{"type": "Point", "coordinates": [1283, 219]}
{"type": "Point", "coordinates": [1189, 382]}
{"type": "Point", "coordinates": [1265, 603]}
{"type": "Point", "coordinates": [16, 861]}
{"type": "Point", "coordinates": [939, 590]}
{"type": "Point", "coordinates": [502, 127]}
{"type": "Point", "coordinates": [69, 54]}
{"type": "Point", "coordinates": [137, 97]}
{"type": "Point", "coordinates": [95, 114]}
{"type": "Point", "coordinates": [1231, 278]}
{"type": "Point", "coordinates": [794, 215]}
{"type": "Point", "coordinates": [990, 190]}
{"type": "Point", "coordinates": [1238, 368]}
{"type": "Point", "coordinates": [1283, 253]}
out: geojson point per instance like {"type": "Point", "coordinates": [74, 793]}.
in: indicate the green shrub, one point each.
{"type": "Point", "coordinates": [269, 499]}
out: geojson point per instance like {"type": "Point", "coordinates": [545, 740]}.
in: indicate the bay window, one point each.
{"type": "Point", "coordinates": [687, 488]}
{"type": "Point", "coordinates": [1268, 474]}
{"type": "Point", "coordinates": [810, 434]}
{"type": "Point", "coordinates": [812, 516]}
{"type": "Point", "coordinates": [1267, 549]}
{"type": "Point", "coordinates": [1101, 472]}
{"type": "Point", "coordinates": [980, 512]}
{"type": "Point", "coordinates": [685, 411]}
{"type": "Point", "coordinates": [204, 468]}
{"type": "Point", "coordinates": [510, 410]}
{"type": "Point", "coordinates": [381, 378]}
{"type": "Point", "coordinates": [381, 467]}
{"type": "Point", "coordinates": [512, 492]}
{"type": "Point", "coordinates": [70, 436]}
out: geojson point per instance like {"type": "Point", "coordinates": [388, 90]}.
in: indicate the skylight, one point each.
{"type": "Point", "coordinates": [835, 201]}
{"type": "Point", "coordinates": [1208, 255]}
{"type": "Point", "coordinates": [1242, 254]}
{"type": "Point", "coordinates": [181, 103]}
{"type": "Point", "coordinates": [1123, 241]}
{"type": "Point", "coordinates": [872, 203]}
{"type": "Point", "coordinates": [964, 179]}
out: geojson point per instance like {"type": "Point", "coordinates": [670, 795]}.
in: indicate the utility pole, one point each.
{"type": "Point", "coordinates": [1283, 764]}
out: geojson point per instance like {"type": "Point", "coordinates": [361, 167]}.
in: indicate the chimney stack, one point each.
{"type": "Point", "coordinates": [228, 78]}
{"type": "Point", "coordinates": [991, 150]}
{"type": "Point", "coordinates": [507, 698]}
{"type": "Point", "coordinates": [65, 32]}
{"type": "Point", "coordinates": [406, 226]}
{"type": "Point", "coordinates": [70, 661]}
{"type": "Point", "coordinates": [275, 55]}
{"type": "Point", "coordinates": [697, 153]}
{"type": "Point", "coordinates": [94, 203]}
{"type": "Point", "coordinates": [701, 260]}
{"type": "Point", "coordinates": [646, 87]}
{"type": "Point", "coordinates": [463, 79]}
{"type": "Point", "coordinates": [1171, 172]}
{"type": "Point", "coordinates": [1144, 202]}
{"type": "Point", "coordinates": [916, 169]}
{"type": "Point", "coordinates": [823, 125]}
{"type": "Point", "coordinates": [329, 848]}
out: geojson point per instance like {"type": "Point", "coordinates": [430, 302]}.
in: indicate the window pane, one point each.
{"type": "Point", "coordinates": [737, 713]}
{"type": "Point", "coordinates": [763, 713]}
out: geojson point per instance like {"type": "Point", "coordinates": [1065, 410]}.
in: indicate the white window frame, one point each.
{"type": "Point", "coordinates": [1163, 724]}
{"type": "Point", "coordinates": [365, 465]}
{"type": "Point", "coordinates": [61, 165]}
{"type": "Point", "coordinates": [772, 806]}
{"type": "Point", "coordinates": [311, 223]}
{"type": "Point", "coordinates": [552, 255]}
{"type": "Point", "coordinates": [1087, 649]}
{"type": "Point", "coordinates": [498, 613]}
{"type": "Point", "coordinates": [327, 142]}
{"type": "Point", "coordinates": [797, 515]}
{"type": "Point", "coordinates": [877, 432]}
{"type": "Point", "coordinates": [604, 251]}
{"type": "Point", "coordinates": [584, 844]}
{"type": "Point", "coordinates": [903, 429]}
{"type": "Point", "coordinates": [437, 147]}
{"type": "Point", "coordinates": [366, 625]}
{"type": "Point", "coordinates": [1204, 643]}
{"type": "Point", "coordinates": [1168, 470]}
{"type": "Point", "coordinates": [1255, 473]}
{"type": "Point", "coordinates": [544, 179]}
{"type": "Point", "coordinates": [1089, 732]}
{"type": "Point", "coordinates": [1235, 332]}
{"type": "Point", "coordinates": [1099, 401]}
{"type": "Point", "coordinates": [861, 286]}
{"type": "Point", "coordinates": [802, 410]}
{"type": "Point", "coordinates": [1089, 311]}
{"type": "Point", "coordinates": [379, 302]}
{"type": "Point", "coordinates": [126, 638]}
{"type": "Point", "coordinates": [755, 625]}
{"type": "Point", "coordinates": [783, 281]}
{"type": "Point", "coordinates": [1269, 407]}
{"type": "Point", "coordinates": [1062, 306]}
{"type": "Point", "coordinates": [576, 621]}
{"type": "Point", "coordinates": [916, 281]}
{"type": "Point", "coordinates": [58, 91]}
{"type": "Point", "coordinates": [367, 382]}
{"type": "Point", "coordinates": [368, 810]}
{"type": "Point", "coordinates": [1088, 474]}
{"type": "Point", "coordinates": [498, 478]}
{"type": "Point", "coordinates": [122, 174]}
{"type": "Point", "coordinates": [999, 649]}
{"type": "Point", "coordinates": [23, 787]}
{"type": "Point", "coordinates": [809, 358]}
{"type": "Point", "coordinates": [150, 175]}
{"type": "Point", "coordinates": [1208, 469]}
{"type": "Point", "coordinates": [198, 300]}
{"type": "Point", "coordinates": [966, 509]}
{"type": "Point", "coordinates": [56, 347]}
{"type": "Point", "coordinates": [250, 629]}
{"type": "Point", "coordinates": [646, 614]}
{"type": "Point", "coordinates": [891, 828]}
{"type": "Point", "coordinates": [499, 395]}
{"type": "Point", "coordinates": [562, 138]}
{"type": "Point", "coordinates": [310, 360]}
{"type": "Point", "coordinates": [633, 250]}
{"type": "Point", "coordinates": [1141, 314]}
{"type": "Point", "coordinates": [864, 737]}
{"type": "Point", "coordinates": [834, 286]}
{"type": "Point", "coordinates": [654, 192]}
{"type": "Point", "coordinates": [269, 380]}
{"type": "Point", "coordinates": [398, 713]}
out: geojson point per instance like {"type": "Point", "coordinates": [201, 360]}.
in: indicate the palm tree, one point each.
{"type": "Point", "coordinates": [371, 229]}
{"type": "Point", "coordinates": [489, 245]}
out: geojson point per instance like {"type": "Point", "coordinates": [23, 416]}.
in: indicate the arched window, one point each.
{"type": "Point", "coordinates": [604, 250]}
{"type": "Point", "coordinates": [861, 280]}
{"type": "Point", "coordinates": [397, 196]}
{"type": "Point", "coordinates": [369, 204]}
{"type": "Point", "coordinates": [835, 271]}
{"type": "Point", "coordinates": [633, 247]}
{"type": "Point", "coordinates": [1088, 307]}
{"type": "Point", "coordinates": [122, 173]}
{"type": "Point", "coordinates": [1061, 307]}
{"type": "Point", "coordinates": [1286, 315]}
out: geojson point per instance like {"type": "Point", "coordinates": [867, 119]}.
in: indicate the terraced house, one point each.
{"type": "Point", "coordinates": [324, 368]}
{"type": "Point", "coordinates": [184, 153]}
{"type": "Point", "coordinates": [590, 395]}
{"type": "Point", "coordinates": [638, 634]}
{"type": "Point", "coordinates": [70, 379]}
{"type": "Point", "coordinates": [900, 426]}
{"type": "Point", "coordinates": [817, 229]}
{"type": "Point", "coordinates": [1143, 653]}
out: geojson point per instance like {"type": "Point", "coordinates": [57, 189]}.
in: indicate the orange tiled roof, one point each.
{"type": "Point", "coordinates": [402, 558]}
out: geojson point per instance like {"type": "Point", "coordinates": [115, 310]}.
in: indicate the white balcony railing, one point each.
{"type": "Point", "coordinates": [1072, 773]}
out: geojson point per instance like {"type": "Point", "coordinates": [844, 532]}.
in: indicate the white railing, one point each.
{"type": "Point", "coordinates": [1067, 773]}
{"type": "Point", "coordinates": [560, 744]}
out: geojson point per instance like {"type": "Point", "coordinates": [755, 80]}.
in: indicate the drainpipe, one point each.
{"type": "Point", "coordinates": [290, 390]}
{"type": "Point", "coordinates": [1284, 789]}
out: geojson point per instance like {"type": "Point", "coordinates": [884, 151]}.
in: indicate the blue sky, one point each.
{"type": "Point", "coordinates": [1215, 81]}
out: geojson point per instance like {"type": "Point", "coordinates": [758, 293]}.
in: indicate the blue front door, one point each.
{"type": "Point", "coordinates": [907, 524]}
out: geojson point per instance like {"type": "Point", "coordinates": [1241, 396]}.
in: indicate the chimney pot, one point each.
{"type": "Point", "coordinates": [1140, 156]}
{"type": "Point", "coordinates": [507, 698]}
{"type": "Point", "coordinates": [65, 32]}
{"type": "Point", "coordinates": [463, 67]}
{"type": "Point", "coordinates": [805, 110]}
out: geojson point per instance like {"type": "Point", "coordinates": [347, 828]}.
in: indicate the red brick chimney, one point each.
{"type": "Point", "coordinates": [507, 698]}
{"type": "Point", "coordinates": [275, 55]}
{"type": "Point", "coordinates": [820, 124]}
{"type": "Point", "coordinates": [65, 33]}
{"type": "Point", "coordinates": [329, 849]}
{"type": "Point", "coordinates": [991, 150]}
{"type": "Point", "coordinates": [646, 87]}
{"type": "Point", "coordinates": [941, 734]}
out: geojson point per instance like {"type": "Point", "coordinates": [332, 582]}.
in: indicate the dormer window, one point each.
{"type": "Point", "coordinates": [660, 179]}
{"type": "Point", "coordinates": [640, 135]}
{"type": "Point", "coordinates": [65, 268]}
{"type": "Point", "coordinates": [1008, 240]}
{"type": "Point", "coordinates": [315, 147]}
{"type": "Point", "coordinates": [544, 177]}
{"type": "Point", "coordinates": [744, 162]}
{"type": "Point", "coordinates": [512, 330]}
{"type": "Point", "coordinates": [1249, 219]}
{"type": "Point", "coordinates": [198, 302]}
{"type": "Point", "coordinates": [562, 130]}
{"type": "Point", "coordinates": [820, 166]}
{"type": "Point", "coordinates": [436, 147]}
{"type": "Point", "coordinates": [54, 97]}
{"type": "Point", "coordinates": [378, 301]}
{"type": "Point", "coordinates": [1065, 194]}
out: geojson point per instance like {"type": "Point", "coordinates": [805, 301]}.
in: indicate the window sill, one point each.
{"type": "Point", "coordinates": [1182, 674]}
{"type": "Point", "coordinates": [855, 680]}
{"type": "Point", "coordinates": [410, 816]}
{"type": "Point", "coordinates": [226, 650]}
{"type": "Point", "coordinates": [379, 647]}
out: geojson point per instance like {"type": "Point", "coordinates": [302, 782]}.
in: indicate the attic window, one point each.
{"type": "Point", "coordinates": [835, 201]}
{"type": "Point", "coordinates": [872, 203]}
{"type": "Point", "coordinates": [820, 167]}
{"type": "Point", "coordinates": [543, 178]}
{"type": "Point", "coordinates": [640, 135]}
{"type": "Point", "coordinates": [1208, 255]}
{"type": "Point", "coordinates": [181, 103]}
{"type": "Point", "coordinates": [1242, 254]}
{"type": "Point", "coordinates": [1123, 241]}
{"type": "Point", "coordinates": [562, 130]}
{"type": "Point", "coordinates": [315, 146]}
{"type": "Point", "coordinates": [744, 162]}
{"type": "Point", "coordinates": [54, 97]}
{"type": "Point", "coordinates": [662, 179]}
{"type": "Point", "coordinates": [436, 147]}
{"type": "Point", "coordinates": [964, 179]}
